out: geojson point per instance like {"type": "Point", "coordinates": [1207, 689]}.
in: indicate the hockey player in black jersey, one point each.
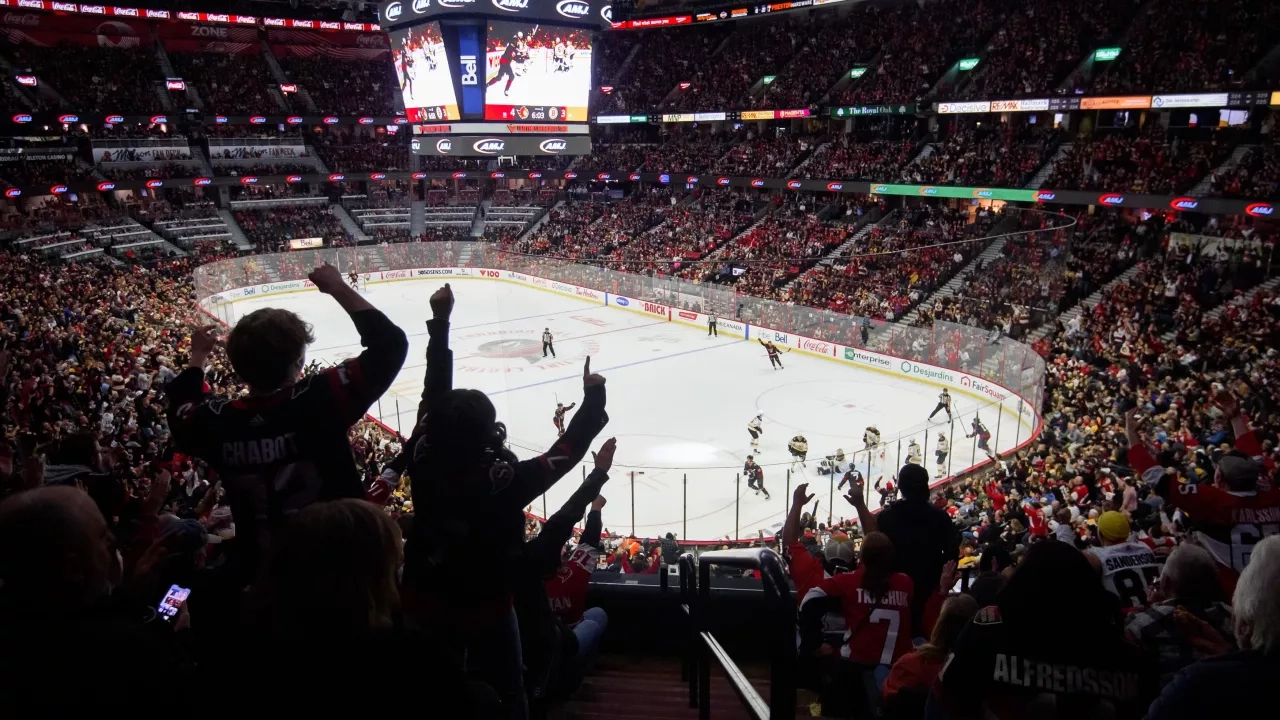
{"type": "Point", "coordinates": [755, 476]}
{"type": "Point", "coordinates": [284, 445]}
{"type": "Point", "coordinates": [774, 360]}
{"type": "Point", "coordinates": [558, 418]}
{"type": "Point", "coordinates": [984, 436]}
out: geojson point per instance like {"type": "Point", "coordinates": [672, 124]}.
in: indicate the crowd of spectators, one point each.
{"type": "Point", "coordinates": [30, 173]}
{"type": "Point", "coordinates": [271, 229]}
{"type": "Point", "coordinates": [238, 83]}
{"type": "Point", "coordinates": [1255, 176]}
{"type": "Point", "coordinates": [848, 158]}
{"type": "Point", "coordinates": [1041, 45]}
{"type": "Point", "coordinates": [1191, 47]}
{"type": "Point", "coordinates": [692, 150]}
{"type": "Point", "coordinates": [988, 154]}
{"type": "Point", "coordinates": [614, 158]}
{"type": "Point", "coordinates": [1149, 160]}
{"type": "Point", "coordinates": [753, 51]}
{"type": "Point", "coordinates": [765, 154]}
{"type": "Point", "coordinates": [350, 152]}
{"type": "Point", "coordinates": [833, 46]}
{"type": "Point", "coordinates": [364, 87]}
{"type": "Point", "coordinates": [896, 265]}
{"type": "Point", "coordinates": [162, 170]}
{"type": "Point", "coordinates": [665, 60]}
{"type": "Point", "coordinates": [594, 229]}
{"type": "Point", "coordinates": [271, 168]}
{"type": "Point", "coordinates": [689, 233]}
{"type": "Point", "coordinates": [96, 78]}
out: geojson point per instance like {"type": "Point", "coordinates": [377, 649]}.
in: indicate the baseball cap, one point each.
{"type": "Point", "coordinates": [1113, 526]}
{"type": "Point", "coordinates": [839, 551]}
{"type": "Point", "coordinates": [1239, 472]}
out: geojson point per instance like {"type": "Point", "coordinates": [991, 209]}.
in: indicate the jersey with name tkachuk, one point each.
{"type": "Point", "coordinates": [877, 629]}
{"type": "Point", "coordinates": [1128, 569]}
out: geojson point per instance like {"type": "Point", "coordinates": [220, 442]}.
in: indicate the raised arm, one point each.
{"type": "Point", "coordinates": [791, 528]}
{"type": "Point", "coordinates": [533, 477]}
{"type": "Point", "coordinates": [559, 527]}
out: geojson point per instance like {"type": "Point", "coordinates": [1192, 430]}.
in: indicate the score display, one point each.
{"type": "Point", "coordinates": [423, 71]}
{"type": "Point", "coordinates": [536, 72]}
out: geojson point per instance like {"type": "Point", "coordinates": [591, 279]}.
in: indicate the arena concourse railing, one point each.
{"type": "Point", "coordinates": [1005, 376]}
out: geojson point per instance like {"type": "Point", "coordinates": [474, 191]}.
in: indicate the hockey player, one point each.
{"type": "Point", "coordinates": [511, 54]}
{"type": "Point", "coordinates": [799, 448]}
{"type": "Point", "coordinates": [833, 464]}
{"type": "Point", "coordinates": [547, 343]}
{"type": "Point", "coordinates": [755, 476]}
{"type": "Point", "coordinates": [774, 360]}
{"type": "Point", "coordinates": [944, 403]}
{"type": "Point", "coordinates": [888, 491]}
{"type": "Point", "coordinates": [940, 450]}
{"type": "Point", "coordinates": [915, 455]}
{"type": "Point", "coordinates": [558, 418]}
{"type": "Point", "coordinates": [753, 427]}
{"type": "Point", "coordinates": [853, 477]}
{"type": "Point", "coordinates": [870, 437]}
{"type": "Point", "coordinates": [983, 435]}
{"type": "Point", "coordinates": [353, 278]}
{"type": "Point", "coordinates": [560, 55]}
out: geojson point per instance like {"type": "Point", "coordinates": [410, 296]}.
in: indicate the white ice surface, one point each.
{"type": "Point", "coordinates": [678, 401]}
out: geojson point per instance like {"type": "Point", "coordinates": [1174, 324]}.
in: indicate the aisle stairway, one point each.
{"type": "Point", "coordinates": [1042, 175]}
{"type": "Point", "coordinates": [417, 217]}
{"type": "Point", "coordinates": [830, 257]}
{"type": "Point", "coordinates": [1083, 306]}
{"type": "Point", "coordinates": [1244, 297]}
{"type": "Point", "coordinates": [348, 223]}
{"type": "Point", "coordinates": [1205, 186]}
{"type": "Point", "coordinates": [237, 235]}
{"type": "Point", "coordinates": [619, 688]}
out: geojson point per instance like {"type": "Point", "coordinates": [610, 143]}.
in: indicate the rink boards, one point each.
{"type": "Point", "coordinates": [987, 392]}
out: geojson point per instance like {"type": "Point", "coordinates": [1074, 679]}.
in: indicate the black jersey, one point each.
{"type": "Point", "coordinates": [279, 453]}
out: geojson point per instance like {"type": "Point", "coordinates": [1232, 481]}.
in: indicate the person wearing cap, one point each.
{"type": "Point", "coordinates": [1129, 568]}
{"type": "Point", "coordinates": [1228, 516]}
{"type": "Point", "coordinates": [923, 536]}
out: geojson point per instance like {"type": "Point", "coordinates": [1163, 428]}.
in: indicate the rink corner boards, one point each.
{"type": "Point", "coordinates": [983, 390]}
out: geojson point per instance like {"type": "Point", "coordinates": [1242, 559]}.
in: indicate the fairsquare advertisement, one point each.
{"type": "Point", "coordinates": [501, 145]}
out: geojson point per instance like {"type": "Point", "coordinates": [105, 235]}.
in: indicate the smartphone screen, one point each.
{"type": "Point", "coordinates": [173, 602]}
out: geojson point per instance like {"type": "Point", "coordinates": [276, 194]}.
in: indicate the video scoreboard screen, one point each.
{"type": "Point", "coordinates": [537, 72]}
{"type": "Point", "coordinates": [422, 69]}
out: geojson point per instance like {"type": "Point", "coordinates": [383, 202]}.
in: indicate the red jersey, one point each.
{"type": "Point", "coordinates": [1036, 522]}
{"type": "Point", "coordinates": [807, 573]}
{"type": "Point", "coordinates": [878, 630]}
{"type": "Point", "coordinates": [1228, 524]}
{"type": "Point", "coordinates": [567, 591]}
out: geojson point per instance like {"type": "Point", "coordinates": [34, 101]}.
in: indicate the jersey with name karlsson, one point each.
{"type": "Point", "coordinates": [997, 671]}
{"type": "Point", "coordinates": [278, 453]}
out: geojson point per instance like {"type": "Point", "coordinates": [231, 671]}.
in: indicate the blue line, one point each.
{"type": "Point", "coordinates": [465, 327]}
{"type": "Point", "coordinates": [616, 367]}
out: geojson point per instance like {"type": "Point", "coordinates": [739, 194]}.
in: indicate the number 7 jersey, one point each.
{"type": "Point", "coordinates": [877, 629]}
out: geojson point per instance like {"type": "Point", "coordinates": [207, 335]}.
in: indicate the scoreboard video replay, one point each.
{"type": "Point", "coordinates": [495, 77]}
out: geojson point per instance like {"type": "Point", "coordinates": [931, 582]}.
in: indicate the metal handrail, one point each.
{"type": "Point", "coordinates": [781, 614]}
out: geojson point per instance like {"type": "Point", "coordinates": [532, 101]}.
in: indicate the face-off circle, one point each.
{"type": "Point", "coordinates": [510, 348]}
{"type": "Point", "coordinates": [494, 350]}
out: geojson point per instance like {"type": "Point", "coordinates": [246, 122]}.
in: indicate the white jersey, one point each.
{"type": "Point", "coordinates": [799, 444]}
{"type": "Point", "coordinates": [754, 424]}
{"type": "Point", "coordinates": [871, 437]}
{"type": "Point", "coordinates": [944, 399]}
{"type": "Point", "coordinates": [1128, 569]}
{"type": "Point", "coordinates": [942, 447]}
{"type": "Point", "coordinates": [913, 453]}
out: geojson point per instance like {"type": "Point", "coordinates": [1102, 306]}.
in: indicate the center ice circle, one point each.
{"type": "Point", "coordinates": [509, 348]}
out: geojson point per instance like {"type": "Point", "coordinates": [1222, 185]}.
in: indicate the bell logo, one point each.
{"type": "Point", "coordinates": [835, 187]}
{"type": "Point", "coordinates": [1260, 209]}
{"type": "Point", "coordinates": [220, 119]}
{"type": "Point", "coordinates": [1184, 203]}
{"type": "Point", "coordinates": [257, 120]}
{"type": "Point", "coordinates": [202, 181]}
{"type": "Point", "coordinates": [421, 6]}
{"type": "Point", "coordinates": [419, 176]}
{"type": "Point", "coordinates": [535, 175]}
{"type": "Point", "coordinates": [606, 12]}
{"type": "Point", "coordinates": [1111, 199]}
{"type": "Point", "coordinates": [365, 121]}
{"type": "Point", "coordinates": [634, 177]}
{"type": "Point", "coordinates": [575, 9]}
{"type": "Point", "coordinates": [514, 6]}
{"type": "Point", "coordinates": [393, 11]}
{"type": "Point", "coordinates": [498, 175]}
{"type": "Point", "coordinates": [691, 180]}
{"type": "Point", "coordinates": [155, 183]}
{"type": "Point", "coordinates": [377, 176]}
{"type": "Point", "coordinates": [489, 146]}
{"type": "Point", "coordinates": [159, 119]}
{"type": "Point", "coordinates": [330, 120]}
{"type": "Point", "coordinates": [105, 186]}
{"type": "Point", "coordinates": [794, 184]}
{"type": "Point", "coordinates": [553, 146]}
{"type": "Point", "coordinates": [249, 180]}
{"type": "Point", "coordinates": [24, 118]}
{"type": "Point", "coordinates": [1045, 196]}
{"type": "Point", "coordinates": [293, 179]}
{"type": "Point", "coordinates": [757, 182]}
{"type": "Point", "coordinates": [68, 119]}
{"type": "Point", "coordinates": [444, 146]}
{"type": "Point", "coordinates": [294, 120]}
{"type": "Point", "coordinates": [469, 67]}
{"type": "Point", "coordinates": [12, 192]}
{"type": "Point", "coordinates": [571, 176]}
{"type": "Point", "coordinates": [459, 175]}
{"type": "Point", "coordinates": [58, 189]}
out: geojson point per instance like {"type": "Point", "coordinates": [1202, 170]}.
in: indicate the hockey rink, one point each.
{"type": "Point", "coordinates": [678, 402]}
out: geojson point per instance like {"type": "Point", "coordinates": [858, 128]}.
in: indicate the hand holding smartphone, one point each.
{"type": "Point", "coordinates": [172, 602]}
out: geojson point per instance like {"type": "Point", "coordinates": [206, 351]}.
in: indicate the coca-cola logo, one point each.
{"type": "Point", "coordinates": [377, 176]}
{"type": "Point", "coordinates": [288, 88]}
{"type": "Point", "coordinates": [23, 19]}
{"type": "Point", "coordinates": [155, 183]}
{"type": "Point", "coordinates": [372, 41]}
{"type": "Point", "coordinates": [293, 179]}
{"type": "Point", "coordinates": [58, 189]}
{"type": "Point", "coordinates": [815, 346]}
{"type": "Point", "coordinates": [202, 181]}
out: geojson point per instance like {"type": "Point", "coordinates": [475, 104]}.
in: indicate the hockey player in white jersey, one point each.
{"type": "Point", "coordinates": [941, 449]}
{"type": "Point", "coordinates": [915, 455]}
{"type": "Point", "coordinates": [799, 447]}
{"type": "Point", "coordinates": [834, 464]}
{"type": "Point", "coordinates": [870, 437]}
{"type": "Point", "coordinates": [755, 430]}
